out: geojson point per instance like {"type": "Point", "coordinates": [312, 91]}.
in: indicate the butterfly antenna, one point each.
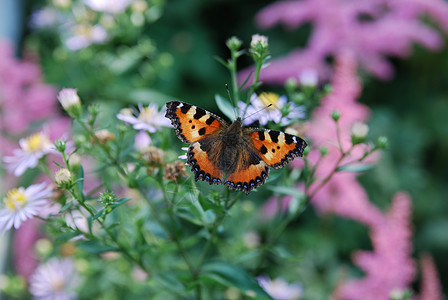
{"type": "Point", "coordinates": [230, 98]}
{"type": "Point", "coordinates": [266, 107]}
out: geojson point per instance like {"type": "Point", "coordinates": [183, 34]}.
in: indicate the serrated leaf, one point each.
{"type": "Point", "coordinates": [225, 107]}
{"type": "Point", "coordinates": [232, 276]}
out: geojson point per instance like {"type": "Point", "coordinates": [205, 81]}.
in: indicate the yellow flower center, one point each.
{"type": "Point", "coordinates": [15, 199]}
{"type": "Point", "coordinates": [147, 114]}
{"type": "Point", "coordinates": [36, 142]}
{"type": "Point", "coordinates": [269, 98]}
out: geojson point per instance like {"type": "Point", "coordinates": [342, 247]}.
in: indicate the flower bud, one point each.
{"type": "Point", "coordinates": [70, 102]}
{"type": "Point", "coordinates": [63, 178]}
{"type": "Point", "coordinates": [104, 136]}
{"type": "Point", "coordinates": [359, 132]}
{"type": "Point", "coordinates": [60, 145]}
{"type": "Point", "coordinates": [382, 142]}
{"type": "Point", "coordinates": [308, 78]}
{"type": "Point", "coordinates": [259, 42]}
{"type": "Point", "coordinates": [335, 115]}
{"type": "Point", "coordinates": [234, 43]}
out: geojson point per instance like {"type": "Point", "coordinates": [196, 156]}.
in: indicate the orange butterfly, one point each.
{"type": "Point", "coordinates": [237, 157]}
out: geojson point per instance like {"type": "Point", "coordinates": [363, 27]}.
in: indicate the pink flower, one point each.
{"type": "Point", "coordinates": [371, 30]}
{"type": "Point", "coordinates": [431, 289]}
{"type": "Point", "coordinates": [389, 265]}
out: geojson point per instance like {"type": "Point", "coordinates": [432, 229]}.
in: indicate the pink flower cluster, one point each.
{"type": "Point", "coordinates": [25, 100]}
{"type": "Point", "coordinates": [371, 30]}
{"type": "Point", "coordinates": [389, 266]}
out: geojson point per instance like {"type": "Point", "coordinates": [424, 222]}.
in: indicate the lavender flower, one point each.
{"type": "Point", "coordinates": [22, 204]}
{"type": "Point", "coordinates": [56, 279]}
{"type": "Point", "coordinates": [148, 118]}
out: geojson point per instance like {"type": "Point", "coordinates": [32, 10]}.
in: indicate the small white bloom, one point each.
{"type": "Point", "coordinates": [267, 107]}
{"type": "Point", "coordinates": [279, 289]}
{"type": "Point", "coordinates": [108, 6]}
{"type": "Point", "coordinates": [259, 39]}
{"type": "Point", "coordinates": [360, 130]}
{"type": "Point", "coordinates": [83, 35]}
{"type": "Point", "coordinates": [22, 204]}
{"type": "Point", "coordinates": [56, 279]}
{"type": "Point", "coordinates": [308, 77]}
{"type": "Point", "coordinates": [32, 149]}
{"type": "Point", "coordinates": [69, 98]}
{"type": "Point", "coordinates": [148, 118]}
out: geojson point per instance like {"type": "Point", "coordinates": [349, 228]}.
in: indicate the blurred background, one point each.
{"type": "Point", "coordinates": [139, 51]}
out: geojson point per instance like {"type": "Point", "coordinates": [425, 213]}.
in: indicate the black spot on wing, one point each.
{"type": "Point", "coordinates": [263, 150]}
{"type": "Point", "coordinates": [201, 131]}
{"type": "Point", "coordinates": [274, 135]}
{"type": "Point", "coordinates": [199, 113]}
{"type": "Point", "coordinates": [289, 139]}
{"type": "Point", "coordinates": [261, 135]}
{"type": "Point", "coordinates": [185, 107]}
{"type": "Point", "coordinates": [210, 120]}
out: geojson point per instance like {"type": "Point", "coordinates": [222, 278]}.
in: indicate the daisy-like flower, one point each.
{"type": "Point", "coordinates": [55, 279]}
{"type": "Point", "coordinates": [32, 149]}
{"type": "Point", "coordinates": [147, 118]}
{"type": "Point", "coordinates": [259, 109]}
{"type": "Point", "coordinates": [22, 204]}
{"type": "Point", "coordinates": [108, 6]}
{"type": "Point", "coordinates": [83, 35]}
{"type": "Point", "coordinates": [279, 289]}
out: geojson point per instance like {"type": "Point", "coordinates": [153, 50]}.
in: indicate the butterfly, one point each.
{"type": "Point", "coordinates": [220, 153]}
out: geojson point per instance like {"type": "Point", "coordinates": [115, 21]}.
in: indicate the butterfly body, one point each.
{"type": "Point", "coordinates": [220, 153]}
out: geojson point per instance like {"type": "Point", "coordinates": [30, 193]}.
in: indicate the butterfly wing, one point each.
{"type": "Point", "coordinates": [197, 126]}
{"type": "Point", "coordinates": [275, 147]}
{"type": "Point", "coordinates": [192, 123]}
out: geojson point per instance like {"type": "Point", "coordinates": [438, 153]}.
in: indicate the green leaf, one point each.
{"type": "Point", "coordinates": [209, 217]}
{"type": "Point", "coordinates": [225, 107]}
{"type": "Point", "coordinates": [121, 201]}
{"type": "Point", "coordinates": [66, 206]}
{"type": "Point", "coordinates": [169, 281]}
{"type": "Point", "coordinates": [232, 276]}
{"type": "Point", "coordinates": [98, 214]}
{"type": "Point", "coordinates": [95, 247]}
{"type": "Point", "coordinates": [355, 168]}
{"type": "Point", "coordinates": [80, 182]}
{"type": "Point", "coordinates": [286, 190]}
{"type": "Point", "coordinates": [67, 236]}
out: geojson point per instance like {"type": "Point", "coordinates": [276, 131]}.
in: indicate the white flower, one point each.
{"type": "Point", "coordinates": [108, 6]}
{"type": "Point", "coordinates": [279, 289]}
{"type": "Point", "coordinates": [360, 130]}
{"type": "Point", "coordinates": [148, 118]}
{"type": "Point", "coordinates": [56, 279]}
{"type": "Point", "coordinates": [84, 35]}
{"type": "Point", "coordinates": [22, 204]}
{"type": "Point", "coordinates": [259, 39]}
{"type": "Point", "coordinates": [268, 107]}
{"type": "Point", "coordinates": [308, 77]}
{"type": "Point", "coordinates": [69, 98]}
{"type": "Point", "coordinates": [32, 149]}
